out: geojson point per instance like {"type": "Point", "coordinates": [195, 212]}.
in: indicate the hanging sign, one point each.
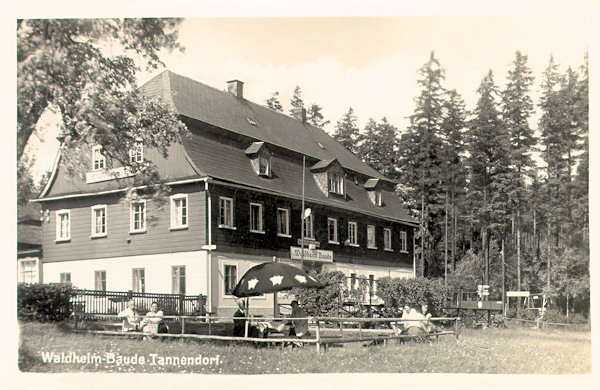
{"type": "Point", "coordinates": [311, 254]}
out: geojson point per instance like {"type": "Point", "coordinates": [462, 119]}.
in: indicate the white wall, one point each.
{"type": "Point", "coordinates": [119, 275]}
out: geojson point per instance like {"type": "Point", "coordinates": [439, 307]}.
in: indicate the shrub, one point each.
{"type": "Point", "coordinates": [397, 292]}
{"type": "Point", "coordinates": [325, 301]}
{"type": "Point", "coordinates": [557, 317]}
{"type": "Point", "coordinates": [44, 302]}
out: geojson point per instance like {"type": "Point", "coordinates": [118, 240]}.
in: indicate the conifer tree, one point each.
{"type": "Point", "coordinates": [315, 117]}
{"type": "Point", "coordinates": [419, 155]}
{"type": "Point", "coordinates": [378, 147]}
{"type": "Point", "coordinates": [346, 131]}
{"type": "Point", "coordinates": [273, 102]}
{"type": "Point", "coordinates": [488, 146]}
{"type": "Point", "coordinates": [517, 107]}
{"type": "Point", "coordinates": [296, 101]}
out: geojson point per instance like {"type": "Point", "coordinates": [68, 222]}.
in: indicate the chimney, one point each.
{"type": "Point", "coordinates": [236, 88]}
{"type": "Point", "coordinates": [300, 114]}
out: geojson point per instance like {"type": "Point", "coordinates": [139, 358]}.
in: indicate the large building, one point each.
{"type": "Point", "coordinates": [236, 201]}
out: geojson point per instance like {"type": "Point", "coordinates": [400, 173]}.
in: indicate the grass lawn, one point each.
{"type": "Point", "coordinates": [490, 351]}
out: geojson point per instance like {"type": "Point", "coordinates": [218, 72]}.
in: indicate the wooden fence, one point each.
{"type": "Point", "coordinates": [112, 302]}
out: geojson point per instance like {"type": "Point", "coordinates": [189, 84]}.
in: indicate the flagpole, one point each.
{"type": "Point", "coordinates": [302, 217]}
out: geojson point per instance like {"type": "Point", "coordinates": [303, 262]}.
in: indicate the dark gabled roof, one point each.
{"type": "Point", "coordinates": [221, 109]}
{"type": "Point", "coordinates": [323, 164]}
{"type": "Point", "coordinates": [371, 183]}
{"type": "Point", "coordinates": [228, 162]}
{"type": "Point", "coordinates": [255, 147]}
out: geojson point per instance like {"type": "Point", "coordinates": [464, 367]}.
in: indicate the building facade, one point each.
{"type": "Point", "coordinates": [237, 188]}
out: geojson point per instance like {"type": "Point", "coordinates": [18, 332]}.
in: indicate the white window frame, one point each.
{"type": "Point", "coordinates": [177, 278]}
{"type": "Point", "coordinates": [98, 159]}
{"type": "Point", "coordinates": [353, 234]}
{"type": "Point", "coordinates": [403, 242]}
{"type": "Point", "coordinates": [62, 236]}
{"type": "Point", "coordinates": [63, 276]}
{"type": "Point", "coordinates": [140, 278]}
{"type": "Point", "coordinates": [136, 153]}
{"type": "Point", "coordinates": [177, 214]}
{"type": "Point", "coordinates": [335, 231]}
{"type": "Point", "coordinates": [378, 197]}
{"type": "Point", "coordinates": [28, 271]}
{"type": "Point", "coordinates": [95, 232]}
{"type": "Point", "coordinates": [285, 232]}
{"type": "Point", "coordinates": [371, 234]}
{"type": "Point", "coordinates": [336, 183]}
{"type": "Point", "coordinates": [387, 239]}
{"type": "Point", "coordinates": [132, 215]}
{"type": "Point", "coordinates": [102, 280]}
{"type": "Point", "coordinates": [260, 228]}
{"type": "Point", "coordinates": [308, 227]}
{"type": "Point", "coordinates": [267, 165]}
{"type": "Point", "coordinates": [227, 293]}
{"type": "Point", "coordinates": [226, 203]}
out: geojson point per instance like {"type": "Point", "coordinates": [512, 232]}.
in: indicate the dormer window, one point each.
{"type": "Point", "coordinates": [336, 183]}
{"type": "Point", "coordinates": [373, 187]}
{"type": "Point", "coordinates": [378, 195]}
{"type": "Point", "coordinates": [136, 153]}
{"type": "Point", "coordinates": [98, 159]}
{"type": "Point", "coordinates": [264, 165]}
{"type": "Point", "coordinates": [329, 177]}
{"type": "Point", "coordinates": [260, 158]}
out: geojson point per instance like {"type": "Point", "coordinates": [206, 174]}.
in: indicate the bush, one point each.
{"type": "Point", "coordinates": [397, 292]}
{"type": "Point", "coordinates": [325, 301]}
{"type": "Point", "coordinates": [44, 302]}
{"type": "Point", "coordinates": [557, 317]}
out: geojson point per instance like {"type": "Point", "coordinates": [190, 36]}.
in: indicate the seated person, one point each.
{"type": "Point", "coordinates": [152, 322]}
{"type": "Point", "coordinates": [299, 327]}
{"type": "Point", "coordinates": [413, 327]}
{"type": "Point", "coordinates": [429, 326]}
{"type": "Point", "coordinates": [239, 320]}
{"type": "Point", "coordinates": [130, 318]}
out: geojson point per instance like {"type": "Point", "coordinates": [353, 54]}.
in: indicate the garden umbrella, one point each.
{"type": "Point", "coordinates": [272, 277]}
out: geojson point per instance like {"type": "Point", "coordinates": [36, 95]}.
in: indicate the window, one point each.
{"type": "Point", "coordinates": [98, 159]}
{"type": "Point", "coordinates": [99, 221]}
{"type": "Point", "coordinates": [100, 280]}
{"type": "Point", "coordinates": [387, 239]}
{"type": "Point", "coordinates": [65, 277]}
{"type": "Point", "coordinates": [256, 219]}
{"type": "Point", "coordinates": [28, 271]}
{"type": "Point", "coordinates": [378, 197]}
{"type": "Point", "coordinates": [179, 211]}
{"type": "Point", "coordinates": [336, 183]}
{"type": "Point", "coordinates": [352, 239]}
{"type": "Point", "coordinates": [332, 230]}
{"type": "Point", "coordinates": [283, 222]}
{"type": "Point", "coordinates": [136, 153]}
{"type": "Point", "coordinates": [63, 225]}
{"type": "Point", "coordinates": [178, 279]}
{"type": "Point", "coordinates": [264, 165]}
{"type": "Point", "coordinates": [371, 237]}
{"type": "Point", "coordinates": [138, 278]}
{"type": "Point", "coordinates": [403, 242]}
{"type": "Point", "coordinates": [225, 212]}
{"type": "Point", "coordinates": [138, 217]}
{"type": "Point", "coordinates": [308, 227]}
{"type": "Point", "coordinates": [230, 278]}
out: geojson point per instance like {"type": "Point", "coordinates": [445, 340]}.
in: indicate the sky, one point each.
{"type": "Point", "coordinates": [367, 63]}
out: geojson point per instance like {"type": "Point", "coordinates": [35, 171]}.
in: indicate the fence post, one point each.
{"type": "Point", "coordinates": [456, 326]}
{"type": "Point", "coordinates": [182, 325]}
{"type": "Point", "coordinates": [318, 338]}
{"type": "Point", "coordinates": [181, 304]}
{"type": "Point", "coordinates": [209, 324]}
{"type": "Point", "coordinates": [359, 328]}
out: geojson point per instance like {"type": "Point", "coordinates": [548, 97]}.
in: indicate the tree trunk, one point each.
{"type": "Point", "coordinates": [446, 241]}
